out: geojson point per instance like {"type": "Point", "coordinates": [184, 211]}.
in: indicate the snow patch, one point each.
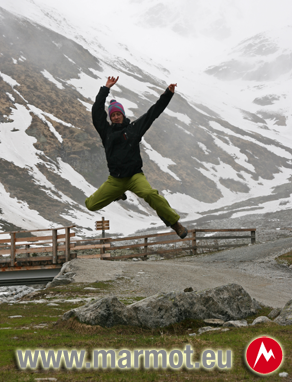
{"type": "Point", "coordinates": [11, 97]}
{"type": "Point", "coordinates": [18, 212]}
{"type": "Point", "coordinates": [86, 104]}
{"type": "Point", "coordinates": [274, 149]}
{"type": "Point", "coordinates": [204, 148]}
{"type": "Point", "coordinates": [14, 150]}
{"type": "Point", "coordinates": [39, 113]}
{"type": "Point", "coordinates": [161, 161]}
{"type": "Point", "coordinates": [9, 80]}
{"type": "Point", "coordinates": [69, 59]}
{"type": "Point", "coordinates": [67, 172]}
{"type": "Point", "coordinates": [86, 85]}
{"type": "Point", "coordinates": [200, 110]}
{"type": "Point", "coordinates": [181, 117]}
{"type": "Point", "coordinates": [49, 77]}
{"type": "Point", "coordinates": [235, 152]}
{"type": "Point", "coordinates": [184, 130]}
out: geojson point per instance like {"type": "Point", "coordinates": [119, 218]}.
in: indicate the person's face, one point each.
{"type": "Point", "coordinates": [117, 117]}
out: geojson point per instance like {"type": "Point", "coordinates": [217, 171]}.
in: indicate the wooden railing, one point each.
{"type": "Point", "coordinates": [152, 244]}
{"type": "Point", "coordinates": [35, 245]}
{"type": "Point", "coordinates": [217, 246]}
{"type": "Point", "coordinates": [189, 243]}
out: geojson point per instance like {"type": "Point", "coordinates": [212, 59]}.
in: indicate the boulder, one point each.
{"type": "Point", "coordinates": [65, 276]}
{"type": "Point", "coordinates": [285, 317]}
{"type": "Point", "coordinates": [274, 313]}
{"type": "Point", "coordinates": [205, 329]}
{"type": "Point", "coordinates": [261, 320]}
{"type": "Point", "coordinates": [64, 279]}
{"type": "Point", "coordinates": [228, 302]}
{"type": "Point", "coordinates": [235, 324]}
{"type": "Point", "coordinates": [258, 305]}
{"type": "Point", "coordinates": [225, 302]}
{"type": "Point", "coordinates": [106, 312]}
{"type": "Point", "coordinates": [214, 321]}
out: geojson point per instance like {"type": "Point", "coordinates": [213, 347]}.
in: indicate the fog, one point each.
{"type": "Point", "coordinates": [172, 32]}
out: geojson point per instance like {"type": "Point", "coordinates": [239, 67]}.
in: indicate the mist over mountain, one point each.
{"type": "Point", "coordinates": [222, 145]}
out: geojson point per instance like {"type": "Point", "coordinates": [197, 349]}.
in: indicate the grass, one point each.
{"type": "Point", "coordinates": [73, 290]}
{"type": "Point", "coordinates": [25, 333]}
{"type": "Point", "coordinates": [285, 259]}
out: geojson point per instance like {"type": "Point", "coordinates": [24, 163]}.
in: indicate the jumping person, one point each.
{"type": "Point", "coordinates": [121, 140]}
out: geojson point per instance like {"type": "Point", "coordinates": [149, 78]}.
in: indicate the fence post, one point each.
{"type": "Point", "coordinates": [145, 248]}
{"type": "Point", "coordinates": [194, 243]}
{"type": "Point", "coordinates": [253, 237]}
{"type": "Point", "coordinates": [67, 243]}
{"type": "Point", "coordinates": [54, 235]}
{"type": "Point", "coordinates": [12, 249]}
{"type": "Point", "coordinates": [103, 236]}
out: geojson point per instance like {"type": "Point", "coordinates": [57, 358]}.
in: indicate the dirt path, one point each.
{"type": "Point", "coordinates": [253, 267]}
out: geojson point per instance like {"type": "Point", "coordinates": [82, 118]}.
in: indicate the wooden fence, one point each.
{"type": "Point", "coordinates": [24, 251]}
{"type": "Point", "coordinates": [203, 235]}
{"type": "Point", "coordinates": [189, 243]}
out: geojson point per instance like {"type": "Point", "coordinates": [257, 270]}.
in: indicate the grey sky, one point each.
{"type": "Point", "coordinates": [167, 29]}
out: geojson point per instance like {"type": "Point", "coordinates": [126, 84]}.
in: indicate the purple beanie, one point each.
{"type": "Point", "coordinates": [115, 106]}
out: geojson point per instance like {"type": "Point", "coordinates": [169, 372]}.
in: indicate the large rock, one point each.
{"type": "Point", "coordinates": [285, 317]}
{"type": "Point", "coordinates": [274, 313]}
{"type": "Point", "coordinates": [106, 312]}
{"type": "Point", "coordinates": [64, 277]}
{"type": "Point", "coordinates": [235, 324]}
{"type": "Point", "coordinates": [229, 302]}
{"type": "Point", "coordinates": [261, 320]}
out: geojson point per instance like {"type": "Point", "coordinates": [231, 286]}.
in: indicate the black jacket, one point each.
{"type": "Point", "coordinates": [121, 141]}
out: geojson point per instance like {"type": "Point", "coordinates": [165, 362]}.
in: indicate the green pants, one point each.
{"type": "Point", "coordinates": [139, 185]}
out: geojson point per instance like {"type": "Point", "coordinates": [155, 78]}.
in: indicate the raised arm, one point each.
{"type": "Point", "coordinates": [99, 115]}
{"type": "Point", "coordinates": [146, 120]}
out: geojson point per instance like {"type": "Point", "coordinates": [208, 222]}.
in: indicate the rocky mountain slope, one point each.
{"type": "Point", "coordinates": [226, 147]}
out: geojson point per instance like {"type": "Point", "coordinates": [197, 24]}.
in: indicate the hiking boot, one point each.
{"type": "Point", "coordinates": [122, 197]}
{"type": "Point", "coordinates": [180, 230]}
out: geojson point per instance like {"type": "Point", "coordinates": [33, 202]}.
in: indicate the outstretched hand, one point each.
{"type": "Point", "coordinates": [111, 81]}
{"type": "Point", "coordinates": [172, 87]}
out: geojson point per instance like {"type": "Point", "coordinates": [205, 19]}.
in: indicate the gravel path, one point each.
{"type": "Point", "coordinates": [254, 267]}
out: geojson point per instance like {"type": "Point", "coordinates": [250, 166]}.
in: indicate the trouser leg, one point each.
{"type": "Point", "coordinates": [141, 187]}
{"type": "Point", "coordinates": [107, 193]}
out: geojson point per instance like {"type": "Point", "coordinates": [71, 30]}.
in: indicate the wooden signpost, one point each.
{"type": "Point", "coordinates": [102, 225]}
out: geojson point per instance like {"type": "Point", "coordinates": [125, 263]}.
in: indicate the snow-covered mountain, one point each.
{"type": "Point", "coordinates": [222, 145]}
